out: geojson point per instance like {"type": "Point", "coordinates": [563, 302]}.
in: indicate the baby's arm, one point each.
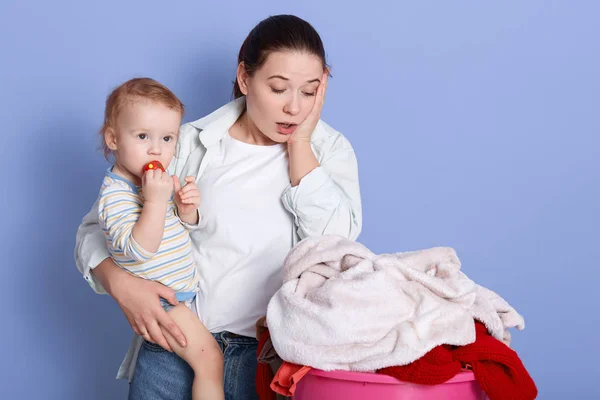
{"type": "Point", "coordinates": [187, 200]}
{"type": "Point", "coordinates": [134, 229]}
{"type": "Point", "coordinates": [149, 229]}
{"type": "Point", "coordinates": [190, 219]}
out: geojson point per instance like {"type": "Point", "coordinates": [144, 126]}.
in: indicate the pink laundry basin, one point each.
{"type": "Point", "coordinates": [338, 385]}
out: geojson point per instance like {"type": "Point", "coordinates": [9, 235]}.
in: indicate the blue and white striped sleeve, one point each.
{"type": "Point", "coordinates": [119, 209]}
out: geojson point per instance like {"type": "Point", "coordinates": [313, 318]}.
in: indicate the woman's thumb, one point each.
{"type": "Point", "coordinates": [167, 294]}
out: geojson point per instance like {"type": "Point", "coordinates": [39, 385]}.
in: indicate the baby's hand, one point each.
{"type": "Point", "coordinates": [187, 198]}
{"type": "Point", "coordinates": [157, 186]}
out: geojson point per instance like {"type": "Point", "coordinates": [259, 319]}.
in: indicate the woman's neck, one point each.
{"type": "Point", "coordinates": [246, 131]}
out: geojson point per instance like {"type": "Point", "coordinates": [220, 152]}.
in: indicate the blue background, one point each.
{"type": "Point", "coordinates": [475, 125]}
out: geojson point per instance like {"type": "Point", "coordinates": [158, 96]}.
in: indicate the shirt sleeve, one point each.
{"type": "Point", "coordinates": [119, 209]}
{"type": "Point", "coordinates": [90, 248]}
{"type": "Point", "coordinates": [187, 143]}
{"type": "Point", "coordinates": [327, 200]}
{"type": "Point", "coordinates": [189, 227]}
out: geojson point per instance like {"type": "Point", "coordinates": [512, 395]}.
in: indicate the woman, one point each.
{"type": "Point", "coordinates": [271, 173]}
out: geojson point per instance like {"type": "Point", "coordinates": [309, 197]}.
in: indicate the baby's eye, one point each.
{"type": "Point", "coordinates": [168, 138]}
{"type": "Point", "coordinates": [143, 136]}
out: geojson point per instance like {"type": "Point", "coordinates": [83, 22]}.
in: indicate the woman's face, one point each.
{"type": "Point", "coordinates": [281, 94]}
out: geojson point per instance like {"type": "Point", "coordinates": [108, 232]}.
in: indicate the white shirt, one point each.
{"type": "Point", "coordinates": [326, 201]}
{"type": "Point", "coordinates": [245, 234]}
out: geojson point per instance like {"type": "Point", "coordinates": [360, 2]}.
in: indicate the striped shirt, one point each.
{"type": "Point", "coordinates": [120, 206]}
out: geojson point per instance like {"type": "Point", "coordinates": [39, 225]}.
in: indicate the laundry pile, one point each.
{"type": "Point", "coordinates": [412, 315]}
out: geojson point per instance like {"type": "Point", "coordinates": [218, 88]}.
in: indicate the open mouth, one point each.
{"type": "Point", "coordinates": [286, 128]}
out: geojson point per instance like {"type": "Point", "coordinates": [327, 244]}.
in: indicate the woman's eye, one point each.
{"type": "Point", "coordinates": [277, 90]}
{"type": "Point", "coordinates": [309, 94]}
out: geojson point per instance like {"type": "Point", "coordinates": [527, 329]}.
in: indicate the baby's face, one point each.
{"type": "Point", "coordinates": [146, 131]}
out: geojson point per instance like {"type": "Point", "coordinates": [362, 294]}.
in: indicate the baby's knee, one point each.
{"type": "Point", "coordinates": [205, 355]}
{"type": "Point", "coordinates": [212, 353]}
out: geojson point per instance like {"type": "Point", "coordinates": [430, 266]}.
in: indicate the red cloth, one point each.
{"type": "Point", "coordinates": [497, 368]}
{"type": "Point", "coordinates": [287, 377]}
{"type": "Point", "coordinates": [284, 382]}
{"type": "Point", "coordinates": [264, 375]}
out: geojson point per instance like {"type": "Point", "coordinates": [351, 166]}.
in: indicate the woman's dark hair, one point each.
{"type": "Point", "coordinates": [277, 33]}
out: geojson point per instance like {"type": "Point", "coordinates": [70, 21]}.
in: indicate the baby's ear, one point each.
{"type": "Point", "coordinates": [110, 138]}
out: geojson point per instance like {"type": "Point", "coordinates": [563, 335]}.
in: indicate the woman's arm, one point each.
{"type": "Point", "coordinates": [302, 161]}
{"type": "Point", "coordinates": [137, 297]}
{"type": "Point", "coordinates": [139, 300]}
{"type": "Point", "coordinates": [90, 248]}
{"type": "Point", "coordinates": [327, 199]}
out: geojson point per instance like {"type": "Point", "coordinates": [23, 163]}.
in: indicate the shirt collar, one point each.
{"type": "Point", "coordinates": [215, 125]}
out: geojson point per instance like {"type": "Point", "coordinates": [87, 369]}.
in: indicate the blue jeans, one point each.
{"type": "Point", "coordinates": [160, 375]}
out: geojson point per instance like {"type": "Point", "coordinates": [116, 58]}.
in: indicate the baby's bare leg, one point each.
{"type": "Point", "coordinates": [202, 353]}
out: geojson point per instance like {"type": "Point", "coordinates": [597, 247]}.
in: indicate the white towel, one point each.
{"type": "Point", "coordinates": [343, 307]}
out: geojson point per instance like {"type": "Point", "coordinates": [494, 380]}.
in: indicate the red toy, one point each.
{"type": "Point", "coordinates": [153, 165]}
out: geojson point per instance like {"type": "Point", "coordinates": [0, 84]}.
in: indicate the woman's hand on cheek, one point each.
{"type": "Point", "coordinates": [306, 128]}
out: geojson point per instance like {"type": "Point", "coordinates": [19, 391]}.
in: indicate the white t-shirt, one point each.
{"type": "Point", "coordinates": [245, 234]}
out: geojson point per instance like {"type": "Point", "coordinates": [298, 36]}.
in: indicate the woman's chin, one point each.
{"type": "Point", "coordinates": [279, 138]}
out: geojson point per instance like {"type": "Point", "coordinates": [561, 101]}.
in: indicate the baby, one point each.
{"type": "Point", "coordinates": [146, 215]}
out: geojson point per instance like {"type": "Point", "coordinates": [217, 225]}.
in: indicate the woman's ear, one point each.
{"type": "Point", "coordinates": [110, 138]}
{"type": "Point", "coordinates": [242, 78]}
